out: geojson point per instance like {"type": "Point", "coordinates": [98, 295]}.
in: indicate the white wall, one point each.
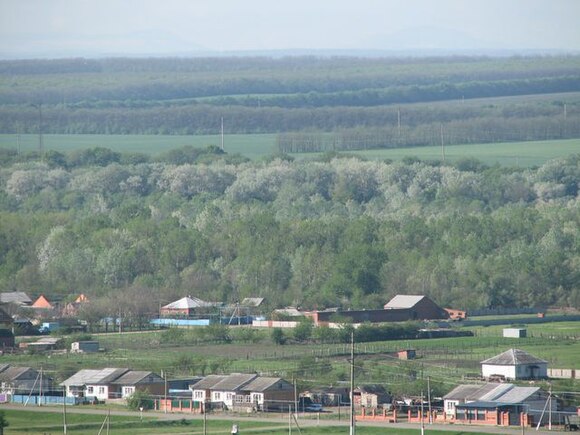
{"type": "Point", "coordinates": [508, 371]}
{"type": "Point", "coordinates": [101, 392]}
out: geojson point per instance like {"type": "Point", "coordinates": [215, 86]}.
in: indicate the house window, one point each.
{"type": "Point", "coordinates": [229, 396]}
{"type": "Point", "coordinates": [89, 390]}
{"type": "Point", "coordinates": [218, 396]}
{"type": "Point", "coordinates": [198, 394]}
{"type": "Point", "coordinates": [101, 390]}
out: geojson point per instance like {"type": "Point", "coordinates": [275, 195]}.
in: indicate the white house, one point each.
{"type": "Point", "coordinates": [515, 364]}
{"type": "Point", "coordinates": [226, 390]}
{"type": "Point", "coordinates": [92, 383]}
{"type": "Point", "coordinates": [201, 390]}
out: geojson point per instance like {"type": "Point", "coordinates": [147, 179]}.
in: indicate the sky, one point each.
{"type": "Point", "coordinates": [57, 28]}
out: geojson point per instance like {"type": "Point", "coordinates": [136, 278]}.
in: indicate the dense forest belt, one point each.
{"type": "Point", "coordinates": [478, 130]}
{"type": "Point", "coordinates": [205, 119]}
{"type": "Point", "coordinates": [321, 233]}
{"type": "Point", "coordinates": [265, 95]}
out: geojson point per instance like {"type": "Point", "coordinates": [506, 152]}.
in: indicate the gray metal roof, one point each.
{"type": "Point", "coordinates": [470, 392]}
{"type": "Point", "coordinates": [252, 302]}
{"type": "Point", "coordinates": [80, 377]}
{"type": "Point", "coordinates": [233, 382]}
{"type": "Point", "coordinates": [134, 377]}
{"type": "Point", "coordinates": [262, 383]}
{"type": "Point", "coordinates": [491, 393]}
{"type": "Point", "coordinates": [207, 382]}
{"type": "Point", "coordinates": [13, 373]}
{"type": "Point", "coordinates": [513, 357]}
{"type": "Point", "coordinates": [518, 394]}
{"type": "Point", "coordinates": [187, 302]}
{"type": "Point", "coordinates": [404, 301]}
{"type": "Point", "coordinates": [95, 377]}
{"type": "Point", "coordinates": [19, 298]}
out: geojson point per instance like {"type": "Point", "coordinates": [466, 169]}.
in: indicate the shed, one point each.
{"type": "Point", "coordinates": [84, 346]}
{"type": "Point", "coordinates": [515, 364]}
{"type": "Point", "coordinates": [6, 338]}
{"type": "Point", "coordinates": [515, 332]}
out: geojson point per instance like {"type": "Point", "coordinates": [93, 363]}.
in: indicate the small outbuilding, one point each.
{"type": "Point", "coordinates": [515, 332]}
{"type": "Point", "coordinates": [371, 396]}
{"type": "Point", "coordinates": [515, 364]}
{"type": "Point", "coordinates": [84, 346]}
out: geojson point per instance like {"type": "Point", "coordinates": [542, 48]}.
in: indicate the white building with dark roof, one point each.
{"type": "Point", "coordinates": [515, 364]}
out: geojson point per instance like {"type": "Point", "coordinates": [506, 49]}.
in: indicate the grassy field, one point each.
{"type": "Point", "coordinates": [42, 423]}
{"type": "Point", "coordinates": [253, 146]}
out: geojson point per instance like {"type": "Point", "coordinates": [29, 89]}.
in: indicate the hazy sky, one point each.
{"type": "Point", "coordinates": [93, 27]}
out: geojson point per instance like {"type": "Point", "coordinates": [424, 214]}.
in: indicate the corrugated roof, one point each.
{"type": "Point", "coordinates": [252, 302]}
{"type": "Point", "coordinates": [133, 377]}
{"type": "Point", "coordinates": [80, 377]}
{"type": "Point", "coordinates": [377, 389]}
{"type": "Point", "coordinates": [95, 377]}
{"type": "Point", "coordinates": [207, 382]}
{"type": "Point", "coordinates": [513, 357]}
{"type": "Point", "coordinates": [187, 302]}
{"type": "Point", "coordinates": [404, 301]}
{"type": "Point", "coordinates": [518, 394]}
{"type": "Point", "coordinates": [233, 382]}
{"type": "Point", "coordinates": [491, 393]}
{"type": "Point", "coordinates": [261, 383]}
{"type": "Point", "coordinates": [19, 298]}
{"type": "Point", "coordinates": [496, 393]}
{"type": "Point", "coordinates": [13, 373]}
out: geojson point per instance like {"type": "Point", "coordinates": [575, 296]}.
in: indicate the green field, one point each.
{"type": "Point", "coordinates": [253, 146]}
{"type": "Point", "coordinates": [42, 423]}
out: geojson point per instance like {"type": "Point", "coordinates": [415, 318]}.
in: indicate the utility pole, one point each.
{"type": "Point", "coordinates": [165, 391]}
{"type": "Point", "coordinates": [40, 386]}
{"type": "Point", "coordinates": [64, 409]}
{"type": "Point", "coordinates": [429, 398]}
{"type": "Point", "coordinates": [422, 421]}
{"type": "Point", "coordinates": [352, 415]}
{"type": "Point", "coordinates": [550, 408]}
{"type": "Point", "coordinates": [295, 397]}
{"type": "Point", "coordinates": [204, 416]}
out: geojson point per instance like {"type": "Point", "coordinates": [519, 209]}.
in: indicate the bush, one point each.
{"type": "Point", "coordinates": [140, 399]}
{"type": "Point", "coordinates": [278, 336]}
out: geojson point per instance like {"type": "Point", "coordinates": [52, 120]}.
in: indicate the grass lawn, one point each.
{"type": "Point", "coordinates": [42, 423]}
{"type": "Point", "coordinates": [253, 146]}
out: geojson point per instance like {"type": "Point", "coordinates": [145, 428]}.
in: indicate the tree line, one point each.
{"type": "Point", "coordinates": [331, 232]}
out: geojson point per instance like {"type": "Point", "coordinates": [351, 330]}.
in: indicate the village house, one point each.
{"type": "Point", "coordinates": [94, 383]}
{"type": "Point", "coordinates": [184, 307]}
{"type": "Point", "coordinates": [228, 388]}
{"type": "Point", "coordinates": [23, 380]}
{"type": "Point", "coordinates": [42, 303]}
{"type": "Point", "coordinates": [16, 298]}
{"type": "Point", "coordinates": [371, 396]}
{"type": "Point", "coordinates": [267, 394]}
{"type": "Point", "coordinates": [486, 403]}
{"type": "Point", "coordinates": [201, 390]}
{"type": "Point", "coordinates": [136, 380]}
{"type": "Point", "coordinates": [514, 364]}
